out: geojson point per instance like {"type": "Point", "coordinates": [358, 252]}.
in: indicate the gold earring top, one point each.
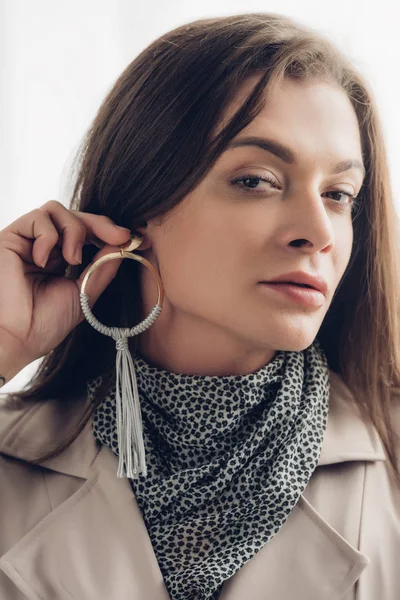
{"type": "Point", "coordinates": [134, 242]}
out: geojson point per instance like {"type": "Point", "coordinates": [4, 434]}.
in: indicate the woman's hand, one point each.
{"type": "Point", "coordinates": [39, 306]}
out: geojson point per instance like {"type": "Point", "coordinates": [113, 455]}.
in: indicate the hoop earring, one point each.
{"type": "Point", "coordinates": [129, 417]}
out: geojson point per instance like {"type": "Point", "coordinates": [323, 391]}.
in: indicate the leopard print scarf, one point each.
{"type": "Point", "coordinates": [228, 458]}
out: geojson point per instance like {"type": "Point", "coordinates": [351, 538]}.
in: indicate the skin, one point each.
{"type": "Point", "coordinates": [223, 239]}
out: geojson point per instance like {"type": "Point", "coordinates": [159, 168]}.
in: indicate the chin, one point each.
{"type": "Point", "coordinates": [290, 338]}
{"type": "Point", "coordinates": [298, 347]}
{"type": "Point", "coordinates": [295, 343]}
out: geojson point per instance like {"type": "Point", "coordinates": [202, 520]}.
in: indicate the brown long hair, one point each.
{"type": "Point", "coordinates": [151, 143]}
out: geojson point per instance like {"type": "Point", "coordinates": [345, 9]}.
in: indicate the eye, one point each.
{"type": "Point", "coordinates": [250, 182]}
{"type": "Point", "coordinates": [342, 193]}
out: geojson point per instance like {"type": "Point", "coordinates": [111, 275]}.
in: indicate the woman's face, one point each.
{"type": "Point", "coordinates": [237, 229]}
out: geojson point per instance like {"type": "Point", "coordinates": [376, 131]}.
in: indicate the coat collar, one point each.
{"type": "Point", "coordinates": [27, 433]}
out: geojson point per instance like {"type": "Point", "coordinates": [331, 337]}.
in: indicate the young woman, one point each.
{"type": "Point", "coordinates": [247, 153]}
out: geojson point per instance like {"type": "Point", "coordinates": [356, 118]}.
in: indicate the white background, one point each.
{"type": "Point", "coordinates": [59, 59]}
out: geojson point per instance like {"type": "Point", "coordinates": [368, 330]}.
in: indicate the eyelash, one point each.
{"type": "Point", "coordinates": [234, 182]}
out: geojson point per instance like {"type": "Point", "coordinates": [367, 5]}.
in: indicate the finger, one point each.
{"type": "Point", "coordinates": [36, 226]}
{"type": "Point", "coordinates": [24, 248]}
{"type": "Point", "coordinates": [54, 225]}
{"type": "Point", "coordinates": [101, 230]}
{"type": "Point", "coordinates": [79, 228]}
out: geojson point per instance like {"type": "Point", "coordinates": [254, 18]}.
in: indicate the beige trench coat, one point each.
{"type": "Point", "coordinates": [70, 529]}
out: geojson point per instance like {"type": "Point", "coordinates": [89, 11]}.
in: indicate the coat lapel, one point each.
{"type": "Point", "coordinates": [307, 560]}
{"type": "Point", "coordinates": [94, 545]}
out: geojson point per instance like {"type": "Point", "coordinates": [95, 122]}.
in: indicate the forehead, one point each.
{"type": "Point", "coordinates": [314, 117]}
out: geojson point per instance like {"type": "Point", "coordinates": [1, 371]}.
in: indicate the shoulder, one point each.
{"type": "Point", "coordinates": [345, 411]}
{"type": "Point", "coordinates": [30, 429]}
{"type": "Point", "coordinates": [12, 416]}
{"type": "Point", "coordinates": [380, 517]}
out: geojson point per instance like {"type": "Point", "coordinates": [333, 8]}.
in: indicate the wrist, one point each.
{"type": "Point", "coordinates": [8, 369]}
{"type": "Point", "coordinates": [11, 364]}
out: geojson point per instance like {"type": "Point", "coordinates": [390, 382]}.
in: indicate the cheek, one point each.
{"type": "Point", "coordinates": [198, 264]}
{"type": "Point", "coordinates": [348, 242]}
{"type": "Point", "coordinates": [342, 253]}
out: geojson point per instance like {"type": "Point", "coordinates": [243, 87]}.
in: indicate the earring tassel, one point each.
{"type": "Point", "coordinates": [129, 417]}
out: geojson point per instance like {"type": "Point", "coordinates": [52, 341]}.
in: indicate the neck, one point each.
{"type": "Point", "coordinates": [195, 349]}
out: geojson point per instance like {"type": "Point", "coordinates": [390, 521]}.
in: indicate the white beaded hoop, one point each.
{"type": "Point", "coordinates": [117, 332]}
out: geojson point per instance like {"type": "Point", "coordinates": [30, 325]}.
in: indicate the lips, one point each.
{"type": "Point", "coordinates": [294, 293]}
{"type": "Point", "coordinates": [302, 279]}
{"type": "Point", "coordinates": [303, 285]}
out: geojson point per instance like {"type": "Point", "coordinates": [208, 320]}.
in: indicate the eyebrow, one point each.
{"type": "Point", "coordinates": [288, 156]}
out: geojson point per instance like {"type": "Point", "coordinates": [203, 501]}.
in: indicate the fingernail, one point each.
{"type": "Point", "coordinates": [123, 228]}
{"type": "Point", "coordinates": [78, 255]}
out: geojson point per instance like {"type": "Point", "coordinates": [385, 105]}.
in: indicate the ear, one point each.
{"type": "Point", "coordinates": [146, 243]}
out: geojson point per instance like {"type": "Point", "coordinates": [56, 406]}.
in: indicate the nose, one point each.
{"type": "Point", "coordinates": [308, 223]}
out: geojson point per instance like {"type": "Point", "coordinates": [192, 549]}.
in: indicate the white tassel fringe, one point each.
{"type": "Point", "coordinates": [129, 416]}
